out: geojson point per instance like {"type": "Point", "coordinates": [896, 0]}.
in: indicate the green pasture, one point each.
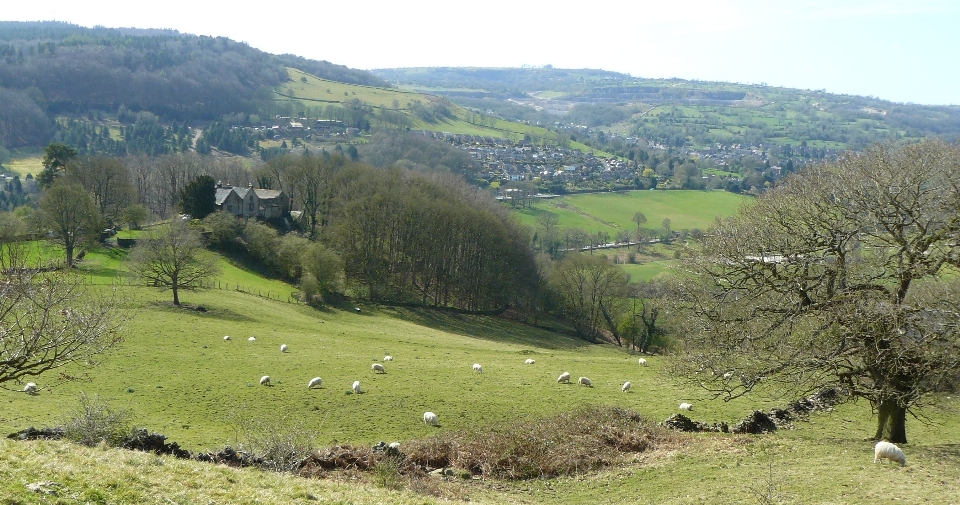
{"type": "Point", "coordinates": [613, 212]}
{"type": "Point", "coordinates": [179, 377]}
{"type": "Point", "coordinates": [23, 164]}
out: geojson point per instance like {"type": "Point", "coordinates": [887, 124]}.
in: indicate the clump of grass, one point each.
{"type": "Point", "coordinates": [281, 444]}
{"type": "Point", "coordinates": [567, 444]}
{"type": "Point", "coordinates": [94, 422]}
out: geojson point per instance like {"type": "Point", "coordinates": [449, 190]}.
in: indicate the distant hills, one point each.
{"type": "Point", "coordinates": [682, 113]}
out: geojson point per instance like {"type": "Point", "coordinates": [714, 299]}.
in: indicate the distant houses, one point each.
{"type": "Point", "coordinates": [250, 202]}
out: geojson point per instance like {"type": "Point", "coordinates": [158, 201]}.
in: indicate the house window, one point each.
{"type": "Point", "coordinates": [251, 206]}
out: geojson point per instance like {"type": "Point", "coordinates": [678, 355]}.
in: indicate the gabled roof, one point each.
{"type": "Point", "coordinates": [267, 194]}
{"type": "Point", "coordinates": [222, 194]}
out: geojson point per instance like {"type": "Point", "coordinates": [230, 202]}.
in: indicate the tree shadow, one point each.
{"type": "Point", "coordinates": [486, 327]}
{"type": "Point", "coordinates": [209, 312]}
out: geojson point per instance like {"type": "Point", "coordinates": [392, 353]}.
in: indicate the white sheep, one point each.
{"type": "Point", "coordinates": [626, 386]}
{"type": "Point", "coordinates": [886, 450]}
{"type": "Point", "coordinates": [252, 339]}
{"type": "Point", "coordinates": [356, 387]}
{"type": "Point", "coordinates": [265, 380]}
{"type": "Point", "coordinates": [394, 445]}
{"type": "Point", "coordinates": [431, 419]}
{"type": "Point", "coordinates": [30, 388]}
{"type": "Point", "coordinates": [686, 406]}
{"type": "Point", "coordinates": [388, 358]}
{"type": "Point", "coordinates": [642, 362]}
{"type": "Point", "coordinates": [477, 368]}
{"type": "Point", "coordinates": [283, 347]}
{"type": "Point", "coordinates": [377, 367]}
{"type": "Point", "coordinates": [529, 362]}
{"type": "Point", "coordinates": [583, 381]}
{"type": "Point", "coordinates": [226, 337]}
{"type": "Point", "coordinates": [564, 378]}
{"type": "Point", "coordinates": [315, 382]}
{"type": "Point", "coordinates": [728, 376]}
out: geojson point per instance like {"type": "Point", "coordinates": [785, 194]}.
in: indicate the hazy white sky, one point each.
{"type": "Point", "coordinates": [905, 51]}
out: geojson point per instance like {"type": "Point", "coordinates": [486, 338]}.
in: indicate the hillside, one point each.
{"type": "Point", "coordinates": [51, 69]}
{"type": "Point", "coordinates": [179, 377]}
{"type": "Point", "coordinates": [686, 114]}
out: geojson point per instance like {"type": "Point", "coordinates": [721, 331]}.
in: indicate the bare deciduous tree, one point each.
{"type": "Point", "coordinates": [836, 279]}
{"type": "Point", "coordinates": [174, 259]}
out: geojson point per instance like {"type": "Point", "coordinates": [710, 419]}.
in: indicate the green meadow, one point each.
{"type": "Point", "coordinates": [178, 376]}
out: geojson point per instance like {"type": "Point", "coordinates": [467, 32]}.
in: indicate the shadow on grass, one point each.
{"type": "Point", "coordinates": [944, 453]}
{"type": "Point", "coordinates": [210, 312]}
{"type": "Point", "coordinates": [486, 327]}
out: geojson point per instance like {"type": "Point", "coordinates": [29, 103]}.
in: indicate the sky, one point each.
{"type": "Point", "coordinates": [903, 51]}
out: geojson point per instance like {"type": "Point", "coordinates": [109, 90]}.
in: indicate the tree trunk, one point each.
{"type": "Point", "coordinates": [69, 249]}
{"type": "Point", "coordinates": [891, 422]}
{"type": "Point", "coordinates": [176, 296]}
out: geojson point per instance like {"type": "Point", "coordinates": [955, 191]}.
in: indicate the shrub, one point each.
{"type": "Point", "coordinates": [282, 445]}
{"type": "Point", "coordinates": [93, 421]}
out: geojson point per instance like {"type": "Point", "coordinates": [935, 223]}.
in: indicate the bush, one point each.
{"type": "Point", "coordinates": [224, 230]}
{"type": "Point", "coordinates": [282, 445]}
{"type": "Point", "coordinates": [93, 421]}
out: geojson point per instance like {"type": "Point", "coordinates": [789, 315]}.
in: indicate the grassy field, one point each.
{"type": "Point", "coordinates": [612, 212]}
{"type": "Point", "coordinates": [178, 376]}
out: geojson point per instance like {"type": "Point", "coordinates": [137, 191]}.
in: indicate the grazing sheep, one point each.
{"type": "Point", "coordinates": [564, 378]}
{"type": "Point", "coordinates": [226, 337]}
{"type": "Point", "coordinates": [377, 367]}
{"type": "Point", "coordinates": [30, 388]}
{"type": "Point", "coordinates": [252, 339]}
{"type": "Point", "coordinates": [686, 406]}
{"type": "Point", "coordinates": [477, 368]}
{"type": "Point", "coordinates": [886, 450]}
{"type": "Point", "coordinates": [356, 387]}
{"type": "Point", "coordinates": [431, 419]}
{"type": "Point", "coordinates": [388, 358]}
{"type": "Point", "coordinates": [728, 376]}
{"type": "Point", "coordinates": [529, 362]}
{"type": "Point", "coordinates": [642, 362]}
{"type": "Point", "coordinates": [314, 382]}
{"type": "Point", "coordinates": [265, 380]}
{"type": "Point", "coordinates": [626, 386]}
{"type": "Point", "coordinates": [583, 381]}
{"type": "Point", "coordinates": [283, 347]}
{"type": "Point", "coordinates": [394, 445]}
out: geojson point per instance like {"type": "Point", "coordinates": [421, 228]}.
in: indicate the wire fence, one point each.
{"type": "Point", "coordinates": [270, 294]}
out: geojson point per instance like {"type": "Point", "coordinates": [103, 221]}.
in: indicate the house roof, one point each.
{"type": "Point", "coordinates": [267, 194]}
{"type": "Point", "coordinates": [222, 194]}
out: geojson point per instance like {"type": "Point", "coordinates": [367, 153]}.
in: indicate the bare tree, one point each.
{"type": "Point", "coordinates": [591, 290]}
{"type": "Point", "coordinates": [49, 320]}
{"type": "Point", "coordinates": [71, 215]}
{"type": "Point", "coordinates": [835, 279]}
{"type": "Point", "coordinates": [174, 259]}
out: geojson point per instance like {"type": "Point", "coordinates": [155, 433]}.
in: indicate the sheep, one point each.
{"type": "Point", "coordinates": [252, 339]}
{"type": "Point", "coordinates": [728, 376]}
{"type": "Point", "coordinates": [30, 388]}
{"type": "Point", "coordinates": [626, 386]}
{"type": "Point", "coordinates": [315, 382]}
{"type": "Point", "coordinates": [265, 380]}
{"type": "Point", "coordinates": [583, 381]}
{"type": "Point", "coordinates": [431, 419]}
{"type": "Point", "coordinates": [283, 347]}
{"type": "Point", "coordinates": [529, 362]}
{"type": "Point", "coordinates": [642, 362]}
{"type": "Point", "coordinates": [356, 387]}
{"type": "Point", "coordinates": [388, 358]}
{"type": "Point", "coordinates": [394, 445]}
{"type": "Point", "coordinates": [886, 450]}
{"type": "Point", "coordinates": [477, 368]}
{"type": "Point", "coordinates": [686, 406]}
{"type": "Point", "coordinates": [377, 367]}
{"type": "Point", "coordinates": [564, 378]}
{"type": "Point", "coordinates": [226, 337]}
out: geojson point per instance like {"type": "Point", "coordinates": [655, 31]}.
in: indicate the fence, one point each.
{"type": "Point", "coordinates": [223, 286]}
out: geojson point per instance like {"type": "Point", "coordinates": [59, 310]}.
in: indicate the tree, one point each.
{"type": "Point", "coordinates": [590, 289]}
{"type": "Point", "coordinates": [48, 319]}
{"type": "Point", "coordinates": [836, 279]}
{"type": "Point", "coordinates": [198, 198]}
{"type": "Point", "coordinates": [640, 218]}
{"type": "Point", "coordinates": [107, 180]}
{"type": "Point", "coordinates": [174, 259]}
{"type": "Point", "coordinates": [54, 163]}
{"type": "Point", "coordinates": [70, 213]}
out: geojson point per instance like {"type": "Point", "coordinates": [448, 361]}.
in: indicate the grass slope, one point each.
{"type": "Point", "coordinates": [178, 376]}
